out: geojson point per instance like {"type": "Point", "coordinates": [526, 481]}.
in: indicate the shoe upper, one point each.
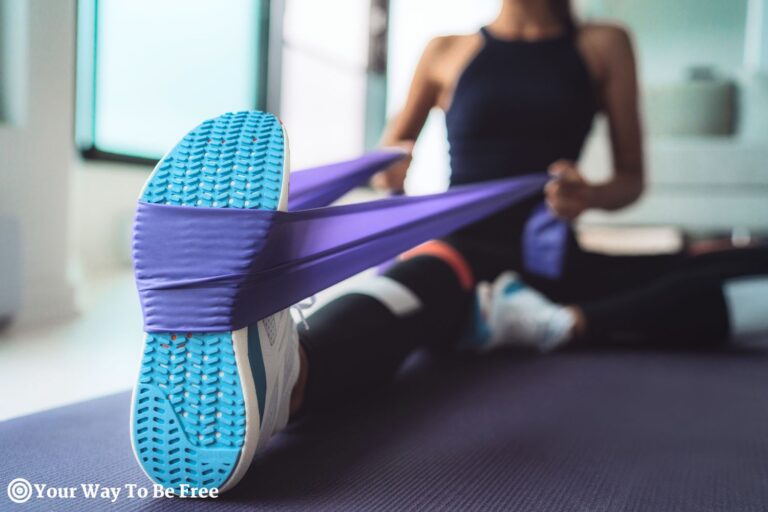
{"type": "Point", "coordinates": [521, 316]}
{"type": "Point", "coordinates": [279, 348]}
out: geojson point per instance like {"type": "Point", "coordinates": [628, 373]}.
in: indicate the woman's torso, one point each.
{"type": "Point", "coordinates": [513, 108]}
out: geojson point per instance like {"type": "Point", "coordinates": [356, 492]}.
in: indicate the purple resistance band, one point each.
{"type": "Point", "coordinates": [219, 269]}
{"type": "Point", "coordinates": [320, 186]}
{"type": "Point", "coordinates": [545, 237]}
{"type": "Point", "coordinates": [545, 241]}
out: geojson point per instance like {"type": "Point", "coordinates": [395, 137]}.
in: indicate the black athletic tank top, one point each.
{"type": "Point", "coordinates": [518, 107]}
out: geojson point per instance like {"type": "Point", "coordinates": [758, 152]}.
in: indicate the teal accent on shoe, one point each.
{"type": "Point", "coordinates": [512, 287]}
{"type": "Point", "coordinates": [477, 333]}
{"type": "Point", "coordinates": [259, 371]}
{"type": "Point", "coordinates": [233, 161]}
{"type": "Point", "coordinates": [189, 419]}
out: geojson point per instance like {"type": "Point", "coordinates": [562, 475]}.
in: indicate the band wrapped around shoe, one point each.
{"type": "Point", "coordinates": [214, 269]}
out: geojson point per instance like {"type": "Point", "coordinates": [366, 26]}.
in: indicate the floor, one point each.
{"type": "Point", "coordinates": [585, 430]}
{"type": "Point", "coordinates": [93, 355]}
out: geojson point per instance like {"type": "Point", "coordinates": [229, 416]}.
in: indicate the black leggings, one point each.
{"type": "Point", "coordinates": [356, 343]}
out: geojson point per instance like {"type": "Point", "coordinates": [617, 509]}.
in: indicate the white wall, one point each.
{"type": "Point", "coordinates": [674, 35]}
{"type": "Point", "coordinates": [412, 25]}
{"type": "Point", "coordinates": [324, 79]}
{"type": "Point", "coordinates": [36, 153]}
{"type": "Point", "coordinates": [104, 199]}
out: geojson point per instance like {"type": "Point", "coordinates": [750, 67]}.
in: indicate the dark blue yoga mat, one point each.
{"type": "Point", "coordinates": [586, 431]}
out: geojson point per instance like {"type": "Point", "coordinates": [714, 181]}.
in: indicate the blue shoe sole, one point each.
{"type": "Point", "coordinates": [189, 421]}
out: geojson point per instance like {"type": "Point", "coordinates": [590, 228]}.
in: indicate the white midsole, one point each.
{"type": "Point", "coordinates": [252, 417]}
{"type": "Point", "coordinates": [240, 345]}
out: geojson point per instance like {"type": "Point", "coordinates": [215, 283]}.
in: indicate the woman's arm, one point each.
{"type": "Point", "coordinates": [404, 129]}
{"type": "Point", "coordinates": [620, 101]}
{"type": "Point", "coordinates": [570, 195]}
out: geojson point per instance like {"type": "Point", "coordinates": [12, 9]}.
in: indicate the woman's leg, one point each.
{"type": "Point", "coordinates": [694, 301]}
{"type": "Point", "coordinates": [357, 343]}
{"type": "Point", "coordinates": [705, 301]}
{"type": "Point", "coordinates": [590, 276]}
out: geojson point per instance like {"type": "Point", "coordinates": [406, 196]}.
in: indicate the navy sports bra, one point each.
{"type": "Point", "coordinates": [518, 107]}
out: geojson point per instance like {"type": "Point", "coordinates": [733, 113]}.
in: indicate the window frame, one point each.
{"type": "Point", "coordinates": [377, 73]}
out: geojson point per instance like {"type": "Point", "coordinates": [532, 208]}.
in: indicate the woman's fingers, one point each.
{"type": "Point", "coordinates": [552, 189]}
{"type": "Point", "coordinates": [566, 192]}
{"type": "Point", "coordinates": [407, 145]}
{"type": "Point", "coordinates": [379, 181]}
{"type": "Point", "coordinates": [562, 190]}
{"type": "Point", "coordinates": [559, 167]}
{"type": "Point", "coordinates": [393, 177]}
{"type": "Point", "coordinates": [567, 210]}
{"type": "Point", "coordinates": [566, 171]}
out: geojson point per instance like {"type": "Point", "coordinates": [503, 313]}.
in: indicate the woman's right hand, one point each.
{"type": "Point", "coordinates": [393, 178]}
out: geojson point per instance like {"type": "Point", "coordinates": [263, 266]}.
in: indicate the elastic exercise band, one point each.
{"type": "Point", "coordinates": [544, 237]}
{"type": "Point", "coordinates": [545, 240]}
{"type": "Point", "coordinates": [320, 186]}
{"type": "Point", "coordinates": [220, 269]}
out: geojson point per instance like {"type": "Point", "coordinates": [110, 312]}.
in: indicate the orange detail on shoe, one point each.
{"type": "Point", "coordinates": [449, 255]}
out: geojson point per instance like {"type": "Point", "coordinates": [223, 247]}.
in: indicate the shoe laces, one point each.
{"type": "Point", "coordinates": [302, 306]}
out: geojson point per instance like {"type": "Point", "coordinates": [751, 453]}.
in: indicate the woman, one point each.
{"type": "Point", "coordinates": [520, 97]}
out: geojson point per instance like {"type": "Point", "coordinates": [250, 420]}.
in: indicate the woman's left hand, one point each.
{"type": "Point", "coordinates": [568, 193]}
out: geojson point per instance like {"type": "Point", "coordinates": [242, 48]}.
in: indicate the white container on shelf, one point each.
{"type": "Point", "coordinates": [701, 105]}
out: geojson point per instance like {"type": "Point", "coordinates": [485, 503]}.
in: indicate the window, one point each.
{"type": "Point", "coordinates": [149, 71]}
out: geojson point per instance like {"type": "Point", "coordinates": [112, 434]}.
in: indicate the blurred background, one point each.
{"type": "Point", "coordinates": [93, 92]}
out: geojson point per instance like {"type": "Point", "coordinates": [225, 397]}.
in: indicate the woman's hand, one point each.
{"type": "Point", "coordinates": [568, 194]}
{"type": "Point", "coordinates": [393, 178]}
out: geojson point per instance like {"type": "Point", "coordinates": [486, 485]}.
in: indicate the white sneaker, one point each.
{"type": "Point", "coordinates": [520, 316]}
{"type": "Point", "coordinates": [205, 403]}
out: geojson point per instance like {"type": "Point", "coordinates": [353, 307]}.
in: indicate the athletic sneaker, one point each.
{"type": "Point", "coordinates": [516, 315]}
{"type": "Point", "coordinates": [205, 402]}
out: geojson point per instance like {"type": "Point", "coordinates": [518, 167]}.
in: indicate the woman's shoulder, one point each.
{"type": "Point", "coordinates": [604, 35]}
{"type": "Point", "coordinates": [446, 44]}
{"type": "Point", "coordinates": [605, 47]}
